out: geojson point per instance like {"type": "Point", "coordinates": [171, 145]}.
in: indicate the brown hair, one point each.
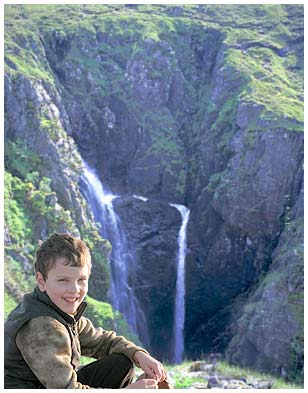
{"type": "Point", "coordinates": [63, 245]}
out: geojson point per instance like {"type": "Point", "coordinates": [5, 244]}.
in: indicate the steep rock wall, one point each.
{"type": "Point", "coordinates": [269, 327]}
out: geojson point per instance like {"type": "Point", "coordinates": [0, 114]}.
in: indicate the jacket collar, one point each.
{"type": "Point", "coordinates": [43, 297]}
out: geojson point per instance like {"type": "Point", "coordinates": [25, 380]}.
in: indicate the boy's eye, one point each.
{"type": "Point", "coordinates": [62, 279]}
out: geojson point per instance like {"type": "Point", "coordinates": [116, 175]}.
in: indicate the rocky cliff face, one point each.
{"type": "Point", "coordinates": [274, 308]}
{"type": "Point", "coordinates": [185, 105]}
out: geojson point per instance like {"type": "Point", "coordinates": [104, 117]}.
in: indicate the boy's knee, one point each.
{"type": "Point", "coordinates": [125, 369]}
{"type": "Point", "coordinates": [113, 371]}
{"type": "Point", "coordinates": [122, 360]}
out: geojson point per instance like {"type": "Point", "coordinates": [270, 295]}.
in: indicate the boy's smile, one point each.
{"type": "Point", "coordinates": [65, 285]}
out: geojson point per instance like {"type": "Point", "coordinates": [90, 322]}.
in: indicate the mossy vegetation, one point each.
{"type": "Point", "coordinates": [104, 316]}
{"type": "Point", "coordinates": [234, 371]}
{"type": "Point", "coordinates": [183, 380]}
{"type": "Point", "coordinates": [19, 275]}
{"type": "Point", "coordinates": [269, 83]}
{"type": "Point", "coordinates": [266, 55]}
{"type": "Point", "coordinates": [9, 304]}
{"type": "Point", "coordinates": [32, 212]}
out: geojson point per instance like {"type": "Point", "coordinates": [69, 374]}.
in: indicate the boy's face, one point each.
{"type": "Point", "coordinates": [65, 285]}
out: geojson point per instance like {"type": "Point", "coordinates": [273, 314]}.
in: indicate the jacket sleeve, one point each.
{"type": "Point", "coordinates": [98, 343]}
{"type": "Point", "coordinates": [46, 347]}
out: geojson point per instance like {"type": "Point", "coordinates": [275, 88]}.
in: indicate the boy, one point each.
{"type": "Point", "coordinates": [46, 333]}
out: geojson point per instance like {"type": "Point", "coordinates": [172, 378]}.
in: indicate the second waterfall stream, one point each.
{"type": "Point", "coordinates": [179, 311]}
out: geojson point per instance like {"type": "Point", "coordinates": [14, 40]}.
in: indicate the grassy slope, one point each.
{"type": "Point", "coordinates": [264, 41]}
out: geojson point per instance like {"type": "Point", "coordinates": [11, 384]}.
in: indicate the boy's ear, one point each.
{"type": "Point", "coordinates": [40, 281]}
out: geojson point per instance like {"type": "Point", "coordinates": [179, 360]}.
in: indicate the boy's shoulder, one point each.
{"type": "Point", "coordinates": [44, 324]}
{"type": "Point", "coordinates": [39, 330]}
{"type": "Point", "coordinates": [45, 342]}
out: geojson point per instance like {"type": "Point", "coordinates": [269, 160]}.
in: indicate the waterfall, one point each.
{"type": "Point", "coordinates": [179, 312]}
{"type": "Point", "coordinates": [123, 261]}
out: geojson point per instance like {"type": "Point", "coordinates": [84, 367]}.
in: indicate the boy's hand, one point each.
{"type": "Point", "coordinates": [143, 384]}
{"type": "Point", "coordinates": [152, 367]}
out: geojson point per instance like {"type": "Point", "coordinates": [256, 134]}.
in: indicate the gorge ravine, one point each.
{"type": "Point", "coordinates": [201, 105]}
{"type": "Point", "coordinates": [124, 262]}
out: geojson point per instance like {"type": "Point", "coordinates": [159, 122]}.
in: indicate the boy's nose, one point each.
{"type": "Point", "coordinates": [73, 288]}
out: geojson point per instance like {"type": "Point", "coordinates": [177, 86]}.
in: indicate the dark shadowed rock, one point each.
{"type": "Point", "coordinates": [153, 227]}
{"type": "Point", "coordinates": [268, 331]}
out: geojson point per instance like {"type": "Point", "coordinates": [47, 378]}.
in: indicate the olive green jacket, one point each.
{"type": "Point", "coordinates": [43, 345]}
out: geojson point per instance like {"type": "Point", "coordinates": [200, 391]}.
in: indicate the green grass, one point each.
{"type": "Point", "coordinates": [225, 368]}
{"type": "Point", "coordinates": [182, 380]}
{"type": "Point", "coordinates": [16, 279]}
{"type": "Point", "coordinates": [9, 304]}
{"type": "Point", "coordinates": [103, 315]}
{"type": "Point", "coordinates": [269, 84]}
{"type": "Point", "coordinates": [272, 80]}
{"type": "Point", "coordinates": [179, 377]}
